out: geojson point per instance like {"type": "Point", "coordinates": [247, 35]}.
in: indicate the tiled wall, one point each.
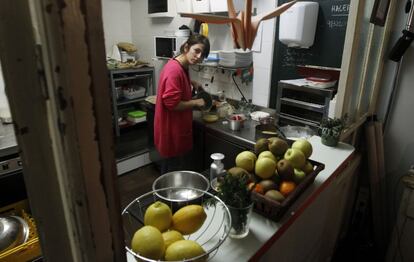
{"type": "Point", "coordinates": [144, 28]}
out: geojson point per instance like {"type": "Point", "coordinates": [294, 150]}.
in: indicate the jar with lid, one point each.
{"type": "Point", "coordinates": [216, 167]}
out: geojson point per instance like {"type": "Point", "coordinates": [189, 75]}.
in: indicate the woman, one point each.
{"type": "Point", "coordinates": [173, 136]}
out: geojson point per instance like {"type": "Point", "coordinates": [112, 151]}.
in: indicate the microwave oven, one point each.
{"type": "Point", "coordinates": [168, 46]}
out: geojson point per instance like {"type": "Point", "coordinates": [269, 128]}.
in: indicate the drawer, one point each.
{"type": "Point", "coordinates": [300, 112]}
{"type": "Point", "coordinates": [305, 95]}
{"type": "Point", "coordinates": [286, 119]}
{"type": "Point", "coordinates": [304, 105]}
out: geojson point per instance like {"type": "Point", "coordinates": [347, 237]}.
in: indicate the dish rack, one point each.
{"type": "Point", "coordinates": [210, 236]}
{"type": "Point", "coordinates": [31, 248]}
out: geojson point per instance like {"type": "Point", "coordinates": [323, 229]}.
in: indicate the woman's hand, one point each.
{"type": "Point", "coordinates": [199, 102]}
{"type": "Point", "coordinates": [196, 86]}
{"type": "Point", "coordinates": [185, 105]}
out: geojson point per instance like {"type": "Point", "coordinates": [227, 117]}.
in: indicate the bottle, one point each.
{"type": "Point", "coordinates": [217, 167]}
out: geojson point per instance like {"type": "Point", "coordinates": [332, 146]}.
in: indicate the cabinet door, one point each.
{"type": "Point", "coordinates": [214, 144]}
{"type": "Point", "coordinates": [194, 160]}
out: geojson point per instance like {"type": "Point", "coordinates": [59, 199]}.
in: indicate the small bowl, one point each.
{"type": "Point", "coordinates": [236, 121]}
{"type": "Point", "coordinates": [14, 231]}
{"type": "Point", "coordinates": [185, 180]}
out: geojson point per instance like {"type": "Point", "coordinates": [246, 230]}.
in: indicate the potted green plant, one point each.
{"type": "Point", "coordinates": [236, 195]}
{"type": "Point", "coordinates": [331, 130]}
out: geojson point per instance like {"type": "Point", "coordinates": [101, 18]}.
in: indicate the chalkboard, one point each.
{"type": "Point", "coordinates": [326, 50]}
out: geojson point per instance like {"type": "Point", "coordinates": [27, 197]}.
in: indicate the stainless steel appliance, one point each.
{"type": "Point", "coordinates": [303, 105]}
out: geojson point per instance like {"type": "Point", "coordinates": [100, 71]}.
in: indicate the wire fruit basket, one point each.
{"type": "Point", "coordinates": [210, 236]}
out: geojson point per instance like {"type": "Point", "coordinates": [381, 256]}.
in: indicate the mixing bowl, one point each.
{"type": "Point", "coordinates": [14, 231]}
{"type": "Point", "coordinates": [187, 180]}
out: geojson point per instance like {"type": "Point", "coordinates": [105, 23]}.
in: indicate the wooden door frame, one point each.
{"type": "Point", "coordinates": [349, 60]}
{"type": "Point", "coordinates": [53, 61]}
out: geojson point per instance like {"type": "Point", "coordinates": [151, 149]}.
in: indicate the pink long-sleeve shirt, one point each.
{"type": "Point", "coordinates": [173, 134]}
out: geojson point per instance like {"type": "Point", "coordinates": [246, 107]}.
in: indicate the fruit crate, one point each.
{"type": "Point", "coordinates": [31, 248]}
{"type": "Point", "coordinates": [275, 210]}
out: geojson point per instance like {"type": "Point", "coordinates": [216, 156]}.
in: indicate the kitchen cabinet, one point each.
{"type": "Point", "coordinates": [129, 88]}
{"type": "Point", "coordinates": [315, 233]}
{"type": "Point", "coordinates": [216, 144]}
{"type": "Point", "coordinates": [162, 8]}
{"type": "Point", "coordinates": [303, 105]}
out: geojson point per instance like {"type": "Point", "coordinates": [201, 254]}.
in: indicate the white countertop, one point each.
{"type": "Point", "coordinates": [261, 228]}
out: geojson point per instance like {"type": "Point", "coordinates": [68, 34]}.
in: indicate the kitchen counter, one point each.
{"type": "Point", "coordinates": [264, 233]}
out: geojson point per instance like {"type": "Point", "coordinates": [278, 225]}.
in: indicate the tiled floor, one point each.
{"type": "Point", "coordinates": [135, 183]}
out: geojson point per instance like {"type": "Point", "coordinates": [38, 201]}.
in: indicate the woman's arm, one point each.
{"type": "Point", "coordinates": [184, 105]}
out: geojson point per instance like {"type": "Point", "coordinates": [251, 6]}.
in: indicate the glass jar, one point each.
{"type": "Point", "coordinates": [217, 167]}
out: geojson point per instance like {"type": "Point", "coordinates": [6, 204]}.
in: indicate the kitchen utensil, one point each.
{"type": "Point", "coordinates": [189, 179]}
{"type": "Point", "coordinates": [210, 236]}
{"type": "Point", "coordinates": [14, 231]}
{"type": "Point", "coordinates": [268, 130]}
{"type": "Point", "coordinates": [207, 100]}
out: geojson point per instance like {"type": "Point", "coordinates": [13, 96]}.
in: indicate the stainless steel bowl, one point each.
{"type": "Point", "coordinates": [236, 121]}
{"type": "Point", "coordinates": [181, 179]}
{"type": "Point", "coordinates": [14, 231]}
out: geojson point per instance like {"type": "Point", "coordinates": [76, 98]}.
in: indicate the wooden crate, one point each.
{"type": "Point", "coordinates": [275, 210]}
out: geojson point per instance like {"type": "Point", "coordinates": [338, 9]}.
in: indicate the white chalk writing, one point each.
{"type": "Point", "coordinates": [336, 23]}
{"type": "Point", "coordinates": [335, 9]}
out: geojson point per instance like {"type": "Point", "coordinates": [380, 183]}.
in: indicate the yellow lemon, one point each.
{"type": "Point", "coordinates": [158, 215]}
{"type": "Point", "coordinates": [171, 236]}
{"type": "Point", "coordinates": [148, 242]}
{"type": "Point", "coordinates": [189, 219]}
{"type": "Point", "coordinates": [184, 249]}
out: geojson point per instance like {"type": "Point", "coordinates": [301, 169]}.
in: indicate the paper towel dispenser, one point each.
{"type": "Point", "coordinates": [298, 25]}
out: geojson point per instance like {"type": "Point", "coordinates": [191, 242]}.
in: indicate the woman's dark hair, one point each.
{"type": "Point", "coordinates": [197, 39]}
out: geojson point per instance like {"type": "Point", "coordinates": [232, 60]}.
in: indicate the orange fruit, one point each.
{"type": "Point", "coordinates": [259, 189]}
{"type": "Point", "coordinates": [286, 187]}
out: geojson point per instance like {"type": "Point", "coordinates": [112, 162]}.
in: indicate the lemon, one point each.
{"type": "Point", "coordinates": [171, 236]}
{"type": "Point", "coordinates": [148, 242]}
{"type": "Point", "coordinates": [189, 219]}
{"type": "Point", "coordinates": [184, 249]}
{"type": "Point", "coordinates": [158, 215]}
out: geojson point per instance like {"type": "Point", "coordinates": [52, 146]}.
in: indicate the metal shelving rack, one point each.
{"type": "Point", "coordinates": [143, 76]}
